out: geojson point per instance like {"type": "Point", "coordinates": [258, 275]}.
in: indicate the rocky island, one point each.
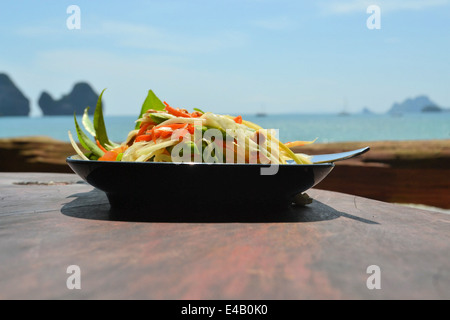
{"type": "Point", "coordinates": [415, 105]}
{"type": "Point", "coordinates": [81, 96]}
{"type": "Point", "coordinates": [12, 101]}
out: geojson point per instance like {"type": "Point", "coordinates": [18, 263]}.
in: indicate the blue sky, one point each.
{"type": "Point", "coordinates": [231, 56]}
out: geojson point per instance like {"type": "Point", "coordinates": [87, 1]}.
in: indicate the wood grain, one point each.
{"type": "Point", "coordinates": [320, 251]}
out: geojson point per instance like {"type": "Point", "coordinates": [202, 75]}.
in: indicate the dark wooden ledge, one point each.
{"type": "Point", "coordinates": [49, 222]}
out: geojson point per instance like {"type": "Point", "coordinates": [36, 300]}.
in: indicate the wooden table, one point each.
{"type": "Point", "coordinates": [325, 250]}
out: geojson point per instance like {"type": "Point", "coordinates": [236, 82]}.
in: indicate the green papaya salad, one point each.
{"type": "Point", "coordinates": [163, 133]}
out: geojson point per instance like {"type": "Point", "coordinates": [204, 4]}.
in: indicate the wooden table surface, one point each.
{"type": "Point", "coordinates": [324, 250]}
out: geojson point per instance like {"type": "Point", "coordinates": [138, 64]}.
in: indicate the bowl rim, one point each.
{"type": "Point", "coordinates": [70, 159]}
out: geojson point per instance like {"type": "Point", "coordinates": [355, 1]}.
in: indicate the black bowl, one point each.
{"type": "Point", "coordinates": [188, 187]}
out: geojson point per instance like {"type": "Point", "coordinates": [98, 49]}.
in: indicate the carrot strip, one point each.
{"type": "Point", "coordinates": [190, 128]}
{"type": "Point", "coordinates": [196, 114]}
{"type": "Point", "coordinates": [120, 149]}
{"type": "Point", "coordinates": [100, 146]}
{"type": "Point", "coordinates": [238, 119]}
{"type": "Point", "coordinates": [143, 137]}
{"type": "Point", "coordinates": [157, 132]}
{"type": "Point", "coordinates": [165, 134]}
{"type": "Point", "coordinates": [109, 156]}
{"type": "Point", "coordinates": [176, 112]}
{"type": "Point", "coordinates": [144, 128]}
{"type": "Point", "coordinates": [153, 134]}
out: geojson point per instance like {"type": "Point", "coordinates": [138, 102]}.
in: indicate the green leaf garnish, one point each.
{"type": "Point", "coordinates": [151, 102]}
{"type": "Point", "coordinates": [99, 123]}
{"type": "Point", "coordinates": [87, 143]}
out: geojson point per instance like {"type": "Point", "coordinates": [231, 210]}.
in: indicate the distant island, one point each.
{"type": "Point", "coordinates": [366, 110]}
{"type": "Point", "coordinates": [81, 96]}
{"type": "Point", "coordinates": [432, 108]}
{"type": "Point", "coordinates": [419, 104]}
{"type": "Point", "coordinates": [415, 105]}
{"type": "Point", "coordinates": [12, 101]}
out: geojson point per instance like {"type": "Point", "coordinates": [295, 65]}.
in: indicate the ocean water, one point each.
{"type": "Point", "coordinates": [326, 128]}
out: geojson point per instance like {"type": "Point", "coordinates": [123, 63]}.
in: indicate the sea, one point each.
{"type": "Point", "coordinates": [291, 127]}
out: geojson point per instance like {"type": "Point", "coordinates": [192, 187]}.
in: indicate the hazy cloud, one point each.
{"type": "Point", "coordinates": [141, 36]}
{"type": "Point", "coordinates": [347, 7]}
{"type": "Point", "coordinates": [275, 23]}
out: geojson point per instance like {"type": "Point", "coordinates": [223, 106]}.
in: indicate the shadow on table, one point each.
{"type": "Point", "coordinates": [95, 205]}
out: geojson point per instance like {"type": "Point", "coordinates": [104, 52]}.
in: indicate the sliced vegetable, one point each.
{"type": "Point", "coordinates": [144, 128]}
{"type": "Point", "coordinates": [159, 117]}
{"type": "Point", "coordinates": [172, 126]}
{"type": "Point", "coordinates": [119, 156]}
{"type": "Point", "coordinates": [75, 146]}
{"type": "Point", "coordinates": [163, 133]}
{"type": "Point", "coordinates": [299, 143]}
